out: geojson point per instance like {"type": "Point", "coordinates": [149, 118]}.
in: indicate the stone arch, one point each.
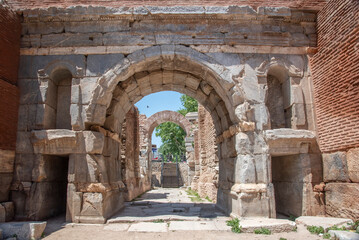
{"type": "Point", "coordinates": [164, 60]}
{"type": "Point", "coordinates": [167, 116]}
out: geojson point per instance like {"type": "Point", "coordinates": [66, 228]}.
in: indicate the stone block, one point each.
{"type": "Point", "coordinates": [73, 203]}
{"type": "Point", "coordinates": [42, 27]}
{"type": "Point", "coordinates": [92, 204]}
{"type": "Point", "coordinates": [343, 235]}
{"type": "Point", "coordinates": [23, 143]}
{"type": "Point", "coordinates": [71, 39]}
{"type": "Point", "coordinates": [2, 214]}
{"type": "Point", "coordinates": [100, 27]}
{"type": "Point", "coordinates": [9, 211]}
{"type": "Point", "coordinates": [45, 117]}
{"type": "Point", "coordinates": [93, 141]}
{"type": "Point", "coordinates": [29, 91]}
{"type": "Point", "coordinates": [245, 171]}
{"type": "Point", "coordinates": [335, 167]}
{"type": "Point", "coordinates": [56, 141]}
{"type": "Point", "coordinates": [7, 158]}
{"type": "Point", "coordinates": [353, 164]}
{"type": "Point", "coordinates": [99, 64]}
{"type": "Point", "coordinates": [5, 180]}
{"type": "Point", "coordinates": [23, 230]}
{"type": "Point", "coordinates": [341, 200]}
{"type": "Point", "coordinates": [29, 65]}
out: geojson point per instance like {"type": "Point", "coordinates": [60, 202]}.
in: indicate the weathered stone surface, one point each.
{"type": "Point", "coordinates": [325, 222]}
{"type": "Point", "coordinates": [339, 198]}
{"type": "Point", "coordinates": [335, 167]}
{"type": "Point", "coordinates": [7, 158]}
{"type": "Point", "coordinates": [2, 214]}
{"type": "Point", "coordinates": [353, 164]}
{"type": "Point", "coordinates": [344, 235]}
{"type": "Point", "coordinates": [148, 227]}
{"type": "Point", "coordinates": [23, 230]}
{"type": "Point", "coordinates": [275, 225]}
{"type": "Point", "coordinates": [9, 211]}
{"type": "Point", "coordinates": [92, 204]}
{"type": "Point", "coordinates": [5, 179]}
{"type": "Point", "coordinates": [54, 141]}
{"type": "Point", "coordinates": [285, 141]}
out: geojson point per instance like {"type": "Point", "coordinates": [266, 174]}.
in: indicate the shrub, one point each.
{"type": "Point", "coordinates": [234, 224]}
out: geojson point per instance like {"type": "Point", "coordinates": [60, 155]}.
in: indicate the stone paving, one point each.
{"type": "Point", "coordinates": [167, 204]}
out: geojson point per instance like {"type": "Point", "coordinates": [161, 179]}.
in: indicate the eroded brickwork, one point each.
{"type": "Point", "coordinates": [335, 71]}
{"type": "Point", "coordinates": [206, 169]}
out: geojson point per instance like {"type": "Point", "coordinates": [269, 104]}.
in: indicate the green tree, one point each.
{"type": "Point", "coordinates": [171, 134]}
{"type": "Point", "coordinates": [189, 105]}
{"type": "Point", "coordinates": [172, 137]}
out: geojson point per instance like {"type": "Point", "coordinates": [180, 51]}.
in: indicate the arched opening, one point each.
{"type": "Point", "coordinates": [130, 91]}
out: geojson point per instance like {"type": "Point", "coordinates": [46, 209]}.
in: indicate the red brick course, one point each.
{"type": "Point", "coordinates": [298, 4]}
{"type": "Point", "coordinates": [335, 70]}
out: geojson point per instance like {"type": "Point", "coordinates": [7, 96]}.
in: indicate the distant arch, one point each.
{"type": "Point", "coordinates": [167, 116]}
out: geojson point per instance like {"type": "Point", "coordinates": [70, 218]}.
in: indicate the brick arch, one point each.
{"type": "Point", "coordinates": [215, 81]}
{"type": "Point", "coordinates": [167, 116]}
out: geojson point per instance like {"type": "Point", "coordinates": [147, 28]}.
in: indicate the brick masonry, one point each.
{"type": "Point", "coordinates": [299, 4]}
{"type": "Point", "coordinates": [335, 70]}
{"type": "Point", "coordinates": [9, 61]}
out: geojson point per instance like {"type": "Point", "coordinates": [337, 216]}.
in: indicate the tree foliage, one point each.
{"type": "Point", "coordinates": [189, 105]}
{"type": "Point", "coordinates": [172, 135]}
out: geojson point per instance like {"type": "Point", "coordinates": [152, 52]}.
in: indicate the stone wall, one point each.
{"type": "Point", "coordinates": [221, 57]}
{"type": "Point", "coordinates": [10, 30]}
{"type": "Point", "coordinates": [300, 4]}
{"type": "Point", "coordinates": [341, 171]}
{"type": "Point", "coordinates": [205, 181]}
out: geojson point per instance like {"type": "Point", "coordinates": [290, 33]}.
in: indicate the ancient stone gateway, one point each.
{"type": "Point", "coordinates": [78, 80]}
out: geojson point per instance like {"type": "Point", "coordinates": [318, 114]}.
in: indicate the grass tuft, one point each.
{"type": "Point", "coordinates": [234, 224]}
{"type": "Point", "coordinates": [264, 231]}
{"type": "Point", "coordinates": [315, 230]}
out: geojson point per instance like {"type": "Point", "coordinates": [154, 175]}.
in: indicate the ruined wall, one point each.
{"type": "Point", "coordinates": [300, 4]}
{"type": "Point", "coordinates": [131, 152]}
{"type": "Point", "coordinates": [335, 69]}
{"type": "Point", "coordinates": [205, 181]}
{"type": "Point", "coordinates": [10, 29]}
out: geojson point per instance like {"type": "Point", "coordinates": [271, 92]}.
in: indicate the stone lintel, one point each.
{"type": "Point", "coordinates": [284, 142]}
{"type": "Point", "coordinates": [88, 50]}
{"type": "Point", "coordinates": [63, 141]}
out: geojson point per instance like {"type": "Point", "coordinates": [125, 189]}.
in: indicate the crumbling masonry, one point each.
{"type": "Point", "coordinates": [266, 73]}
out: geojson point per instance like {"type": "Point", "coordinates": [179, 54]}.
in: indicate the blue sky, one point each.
{"type": "Point", "coordinates": [157, 102]}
